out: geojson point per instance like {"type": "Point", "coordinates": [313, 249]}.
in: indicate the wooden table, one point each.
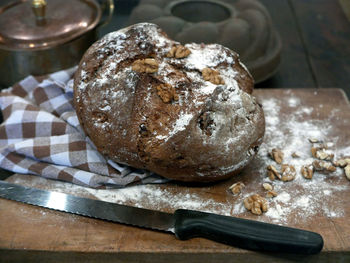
{"type": "Point", "coordinates": [33, 234]}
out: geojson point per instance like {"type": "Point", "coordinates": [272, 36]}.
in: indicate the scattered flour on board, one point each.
{"type": "Point", "coordinates": [296, 201]}
{"type": "Point", "coordinates": [145, 196]}
{"type": "Point", "coordinates": [300, 199]}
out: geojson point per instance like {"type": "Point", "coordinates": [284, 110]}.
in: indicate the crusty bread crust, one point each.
{"type": "Point", "coordinates": [145, 108]}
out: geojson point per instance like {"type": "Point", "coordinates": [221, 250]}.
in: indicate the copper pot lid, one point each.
{"type": "Point", "coordinates": [40, 24]}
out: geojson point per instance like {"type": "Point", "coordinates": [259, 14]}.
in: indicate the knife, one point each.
{"type": "Point", "coordinates": [185, 224]}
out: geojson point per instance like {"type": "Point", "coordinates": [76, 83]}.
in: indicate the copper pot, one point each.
{"type": "Point", "coordinates": [39, 37]}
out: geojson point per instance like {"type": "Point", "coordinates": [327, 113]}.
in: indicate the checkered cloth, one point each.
{"type": "Point", "coordinates": [41, 135]}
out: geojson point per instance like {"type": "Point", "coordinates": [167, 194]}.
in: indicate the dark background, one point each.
{"type": "Point", "coordinates": [315, 36]}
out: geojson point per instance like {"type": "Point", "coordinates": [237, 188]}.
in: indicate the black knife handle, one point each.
{"type": "Point", "coordinates": [245, 233]}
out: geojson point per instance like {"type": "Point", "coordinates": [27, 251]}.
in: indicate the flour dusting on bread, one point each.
{"type": "Point", "coordinates": [184, 112]}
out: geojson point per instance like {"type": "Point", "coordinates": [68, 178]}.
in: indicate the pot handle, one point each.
{"type": "Point", "coordinates": [107, 8]}
{"type": "Point", "coordinates": [39, 9]}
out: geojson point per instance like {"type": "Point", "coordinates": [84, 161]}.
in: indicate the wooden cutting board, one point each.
{"type": "Point", "coordinates": [33, 234]}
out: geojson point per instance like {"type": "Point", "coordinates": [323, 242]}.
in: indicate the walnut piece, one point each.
{"type": "Point", "coordinates": [307, 171]}
{"type": "Point", "coordinates": [271, 194]}
{"type": "Point", "coordinates": [314, 140]}
{"type": "Point", "coordinates": [255, 204]}
{"type": "Point", "coordinates": [347, 171]}
{"type": "Point", "coordinates": [295, 155]}
{"type": "Point", "coordinates": [321, 153]}
{"type": "Point", "coordinates": [178, 51]}
{"type": "Point", "coordinates": [147, 65]}
{"type": "Point", "coordinates": [267, 186]}
{"type": "Point", "coordinates": [323, 166]}
{"type": "Point", "coordinates": [212, 76]}
{"type": "Point", "coordinates": [314, 151]}
{"type": "Point", "coordinates": [342, 162]}
{"type": "Point", "coordinates": [277, 155]}
{"type": "Point", "coordinates": [288, 173]}
{"type": "Point", "coordinates": [237, 187]}
{"type": "Point", "coordinates": [167, 93]}
{"type": "Point", "coordinates": [273, 173]}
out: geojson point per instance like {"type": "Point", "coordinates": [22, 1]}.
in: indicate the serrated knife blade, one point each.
{"type": "Point", "coordinates": [185, 224]}
{"type": "Point", "coordinates": [88, 207]}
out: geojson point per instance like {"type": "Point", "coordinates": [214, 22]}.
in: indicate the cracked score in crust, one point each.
{"type": "Point", "coordinates": [188, 116]}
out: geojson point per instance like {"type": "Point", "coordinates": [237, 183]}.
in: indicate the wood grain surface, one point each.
{"type": "Point", "coordinates": [325, 32]}
{"type": "Point", "coordinates": [34, 234]}
{"type": "Point", "coordinates": [294, 57]}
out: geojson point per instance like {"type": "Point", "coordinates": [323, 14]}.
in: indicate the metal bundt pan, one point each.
{"type": "Point", "coordinates": [244, 26]}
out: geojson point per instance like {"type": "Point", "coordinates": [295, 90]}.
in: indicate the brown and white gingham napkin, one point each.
{"type": "Point", "coordinates": [41, 135]}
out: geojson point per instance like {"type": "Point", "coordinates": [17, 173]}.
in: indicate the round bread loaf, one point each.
{"type": "Point", "coordinates": [183, 112]}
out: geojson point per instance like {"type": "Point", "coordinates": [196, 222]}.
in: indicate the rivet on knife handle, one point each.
{"type": "Point", "coordinates": [245, 233]}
